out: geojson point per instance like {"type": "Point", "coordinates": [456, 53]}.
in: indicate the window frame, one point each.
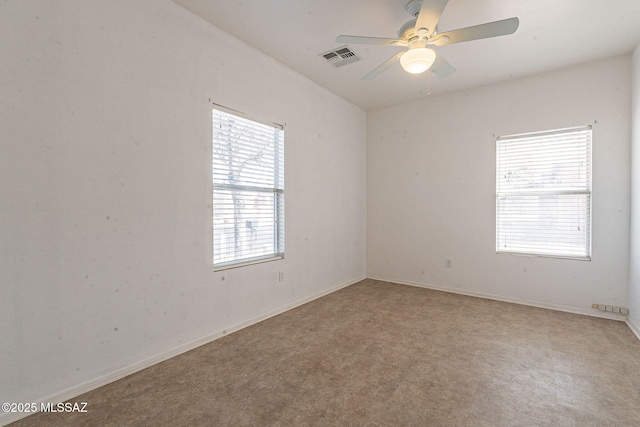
{"type": "Point", "coordinates": [277, 191]}
{"type": "Point", "coordinates": [541, 191]}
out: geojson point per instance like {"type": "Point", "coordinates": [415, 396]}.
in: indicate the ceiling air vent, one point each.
{"type": "Point", "coordinates": [341, 56]}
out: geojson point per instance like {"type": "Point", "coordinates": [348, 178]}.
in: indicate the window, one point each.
{"type": "Point", "coordinates": [248, 190]}
{"type": "Point", "coordinates": [543, 193]}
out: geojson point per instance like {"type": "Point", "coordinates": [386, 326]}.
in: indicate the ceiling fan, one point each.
{"type": "Point", "coordinates": [422, 31]}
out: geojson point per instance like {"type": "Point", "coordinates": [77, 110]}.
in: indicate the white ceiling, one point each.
{"type": "Point", "coordinates": [553, 34]}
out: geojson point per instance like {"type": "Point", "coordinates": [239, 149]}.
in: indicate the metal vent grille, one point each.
{"type": "Point", "coordinates": [341, 56]}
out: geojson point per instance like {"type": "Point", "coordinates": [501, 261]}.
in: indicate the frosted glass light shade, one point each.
{"type": "Point", "coordinates": [418, 60]}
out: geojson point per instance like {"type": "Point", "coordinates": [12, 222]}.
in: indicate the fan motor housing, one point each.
{"type": "Point", "coordinates": [407, 31]}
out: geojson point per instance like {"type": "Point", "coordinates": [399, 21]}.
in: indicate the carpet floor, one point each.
{"type": "Point", "coordinates": [382, 354]}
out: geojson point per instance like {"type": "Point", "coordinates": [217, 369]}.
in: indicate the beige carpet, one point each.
{"type": "Point", "coordinates": [381, 354]}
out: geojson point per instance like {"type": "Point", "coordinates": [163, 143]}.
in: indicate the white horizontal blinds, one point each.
{"type": "Point", "coordinates": [248, 189]}
{"type": "Point", "coordinates": [543, 193]}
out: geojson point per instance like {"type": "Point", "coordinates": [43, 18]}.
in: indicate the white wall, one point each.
{"type": "Point", "coordinates": [105, 189]}
{"type": "Point", "coordinates": [634, 274]}
{"type": "Point", "coordinates": [431, 187]}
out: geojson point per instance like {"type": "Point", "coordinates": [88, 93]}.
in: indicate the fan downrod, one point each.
{"type": "Point", "coordinates": [413, 7]}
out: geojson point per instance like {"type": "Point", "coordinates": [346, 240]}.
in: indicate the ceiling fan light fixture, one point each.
{"type": "Point", "coordinates": [418, 60]}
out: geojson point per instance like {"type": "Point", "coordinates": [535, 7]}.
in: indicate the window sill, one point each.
{"type": "Point", "coordinates": [534, 255]}
{"type": "Point", "coordinates": [244, 263]}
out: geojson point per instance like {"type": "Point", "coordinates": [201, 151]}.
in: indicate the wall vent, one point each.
{"type": "Point", "coordinates": [341, 56]}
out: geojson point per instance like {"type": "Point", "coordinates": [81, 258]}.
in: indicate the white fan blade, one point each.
{"type": "Point", "coordinates": [441, 67]}
{"type": "Point", "coordinates": [430, 15]}
{"type": "Point", "coordinates": [383, 67]}
{"type": "Point", "coordinates": [370, 40]}
{"type": "Point", "coordinates": [482, 31]}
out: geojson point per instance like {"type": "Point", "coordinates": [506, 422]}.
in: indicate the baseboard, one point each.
{"type": "Point", "coordinates": [72, 392]}
{"type": "Point", "coordinates": [557, 307]}
{"type": "Point", "coordinates": [634, 327]}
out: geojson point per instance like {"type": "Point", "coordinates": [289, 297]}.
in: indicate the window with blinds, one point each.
{"type": "Point", "coordinates": [543, 193]}
{"type": "Point", "coordinates": [248, 190]}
